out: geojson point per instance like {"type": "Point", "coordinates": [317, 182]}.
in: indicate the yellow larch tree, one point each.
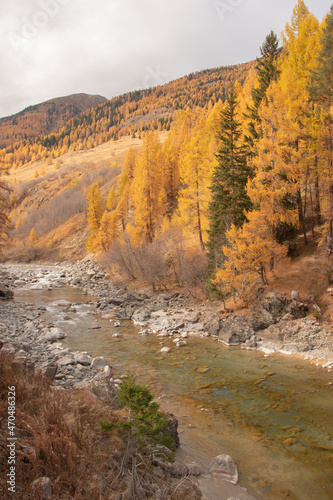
{"type": "Point", "coordinates": [282, 162]}
{"type": "Point", "coordinates": [96, 208]}
{"type": "Point", "coordinates": [302, 43]}
{"type": "Point", "coordinates": [128, 167]}
{"type": "Point", "coordinates": [195, 177]}
{"type": "Point", "coordinates": [270, 189]}
{"type": "Point", "coordinates": [112, 199]}
{"type": "Point", "coordinates": [147, 188]}
{"type": "Point", "coordinates": [32, 236]}
{"type": "Point", "coordinates": [249, 253]}
{"type": "Point", "coordinates": [110, 228]}
{"type": "Point", "coordinates": [321, 93]}
{"type": "Point", "coordinates": [170, 161]}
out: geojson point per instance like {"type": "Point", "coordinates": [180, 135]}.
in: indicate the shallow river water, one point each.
{"type": "Point", "coordinates": [272, 414]}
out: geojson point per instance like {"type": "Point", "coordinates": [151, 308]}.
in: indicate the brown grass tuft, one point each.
{"type": "Point", "coordinates": [58, 436]}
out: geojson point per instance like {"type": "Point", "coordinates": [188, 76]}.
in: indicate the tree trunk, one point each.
{"type": "Point", "coordinates": [317, 195]}
{"type": "Point", "coordinates": [301, 215]}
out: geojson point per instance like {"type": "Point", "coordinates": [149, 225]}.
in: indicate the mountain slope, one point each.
{"type": "Point", "coordinates": [128, 114]}
{"type": "Point", "coordinates": [45, 118]}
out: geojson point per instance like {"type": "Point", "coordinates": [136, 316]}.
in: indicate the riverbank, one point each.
{"type": "Point", "coordinates": [276, 322]}
{"type": "Point", "coordinates": [35, 345]}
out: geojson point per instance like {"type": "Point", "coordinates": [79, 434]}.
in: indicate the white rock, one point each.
{"type": "Point", "coordinates": [181, 343]}
{"type": "Point", "coordinates": [62, 303]}
{"type": "Point", "coordinates": [19, 282]}
{"type": "Point", "coordinates": [42, 488]}
{"type": "Point", "coordinates": [83, 359]}
{"type": "Point", "coordinates": [49, 336]}
{"type": "Point", "coordinates": [224, 465]}
{"type": "Point", "coordinates": [66, 360]}
{"type": "Point", "coordinates": [59, 333]}
{"type": "Point", "coordinates": [165, 349]}
{"type": "Point", "coordinates": [99, 363]}
{"type": "Point", "coordinates": [107, 370]}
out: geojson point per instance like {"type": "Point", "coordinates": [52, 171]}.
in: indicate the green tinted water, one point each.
{"type": "Point", "coordinates": [273, 415]}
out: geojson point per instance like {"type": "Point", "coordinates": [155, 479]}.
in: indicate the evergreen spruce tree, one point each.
{"type": "Point", "coordinates": [266, 72]}
{"type": "Point", "coordinates": [229, 197]}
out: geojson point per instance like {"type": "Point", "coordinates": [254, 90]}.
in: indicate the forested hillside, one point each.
{"type": "Point", "coordinates": [45, 118]}
{"type": "Point", "coordinates": [235, 183]}
{"type": "Point", "coordinates": [129, 114]}
{"type": "Point", "coordinates": [241, 172]}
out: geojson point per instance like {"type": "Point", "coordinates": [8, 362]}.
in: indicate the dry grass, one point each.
{"type": "Point", "coordinates": [58, 436]}
{"type": "Point", "coordinates": [52, 203]}
{"type": "Point", "coordinates": [112, 151]}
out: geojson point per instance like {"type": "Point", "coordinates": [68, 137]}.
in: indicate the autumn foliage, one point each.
{"type": "Point", "coordinates": [244, 169]}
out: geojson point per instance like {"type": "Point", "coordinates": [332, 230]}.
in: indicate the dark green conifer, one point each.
{"type": "Point", "coordinates": [267, 72]}
{"type": "Point", "coordinates": [229, 197]}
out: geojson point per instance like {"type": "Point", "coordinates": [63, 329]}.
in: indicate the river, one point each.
{"type": "Point", "coordinates": [272, 414]}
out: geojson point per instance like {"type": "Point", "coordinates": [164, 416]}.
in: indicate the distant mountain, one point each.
{"type": "Point", "coordinates": [45, 118]}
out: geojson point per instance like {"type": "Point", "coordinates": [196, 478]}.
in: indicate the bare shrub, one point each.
{"type": "Point", "coordinates": [163, 263]}
{"type": "Point", "coordinates": [146, 262]}
{"type": "Point", "coordinates": [195, 270]}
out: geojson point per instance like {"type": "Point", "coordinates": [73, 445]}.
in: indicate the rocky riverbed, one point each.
{"type": "Point", "coordinates": [276, 322]}
{"type": "Point", "coordinates": [37, 345]}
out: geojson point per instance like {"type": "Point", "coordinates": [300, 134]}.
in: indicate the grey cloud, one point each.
{"type": "Point", "coordinates": [57, 47]}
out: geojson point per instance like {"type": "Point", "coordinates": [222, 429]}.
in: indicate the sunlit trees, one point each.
{"type": "Point", "coordinates": [4, 212]}
{"type": "Point", "coordinates": [109, 229]}
{"type": "Point", "coordinates": [170, 160]}
{"type": "Point", "coordinates": [321, 94]}
{"type": "Point", "coordinates": [96, 208]}
{"type": "Point", "coordinates": [283, 156]}
{"type": "Point", "coordinates": [147, 189]}
{"type": "Point", "coordinates": [32, 236]}
{"type": "Point", "coordinates": [112, 199]}
{"type": "Point", "coordinates": [195, 178]}
{"type": "Point", "coordinates": [282, 164]}
{"type": "Point", "coordinates": [129, 164]}
{"type": "Point", "coordinates": [249, 251]}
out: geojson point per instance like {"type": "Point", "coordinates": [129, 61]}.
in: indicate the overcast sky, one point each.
{"type": "Point", "coordinates": [51, 48]}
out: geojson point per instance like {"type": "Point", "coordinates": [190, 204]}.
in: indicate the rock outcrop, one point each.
{"type": "Point", "coordinates": [6, 293]}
